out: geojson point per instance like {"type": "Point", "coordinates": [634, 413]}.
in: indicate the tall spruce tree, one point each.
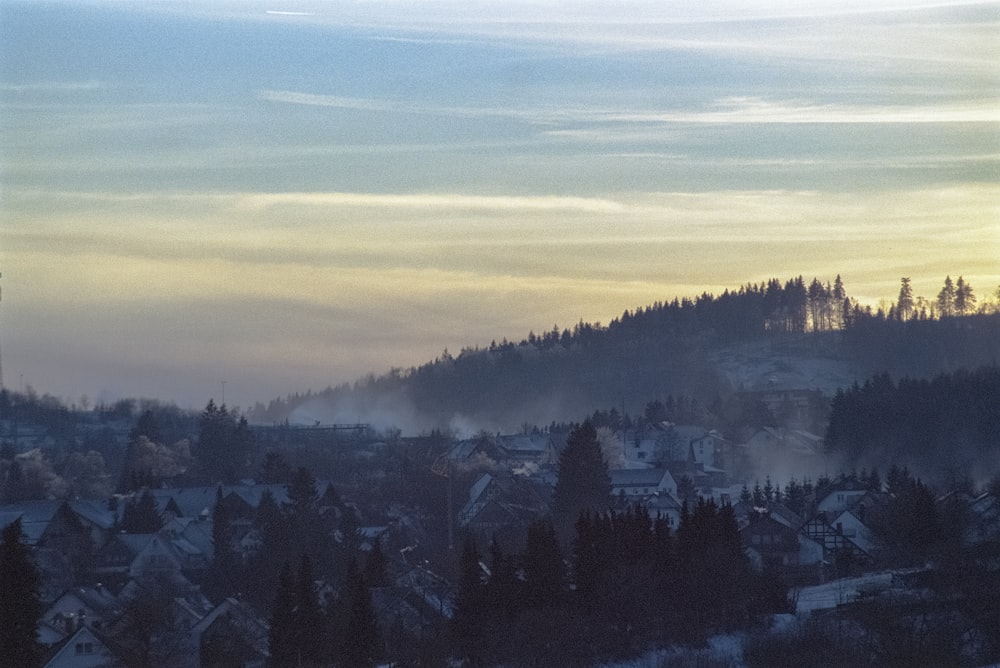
{"type": "Point", "coordinates": [141, 515]}
{"type": "Point", "coordinates": [309, 618]}
{"type": "Point", "coordinates": [543, 567]}
{"type": "Point", "coordinates": [362, 643]}
{"type": "Point", "coordinates": [223, 575]}
{"type": "Point", "coordinates": [282, 633]}
{"type": "Point", "coordinates": [584, 482]}
{"type": "Point", "coordinates": [469, 619]}
{"type": "Point", "coordinates": [20, 606]}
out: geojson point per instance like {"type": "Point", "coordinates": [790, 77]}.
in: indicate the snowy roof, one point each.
{"type": "Point", "coordinates": [636, 477]}
{"type": "Point", "coordinates": [480, 485]}
{"type": "Point", "coordinates": [94, 511]}
{"type": "Point", "coordinates": [525, 443]}
{"type": "Point", "coordinates": [34, 515]}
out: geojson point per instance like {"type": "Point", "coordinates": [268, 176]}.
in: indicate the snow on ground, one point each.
{"type": "Point", "coordinates": [723, 650]}
{"type": "Point", "coordinates": [836, 592]}
{"type": "Point", "coordinates": [783, 365]}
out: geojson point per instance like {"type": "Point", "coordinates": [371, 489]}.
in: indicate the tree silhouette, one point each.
{"type": "Point", "coordinates": [141, 515]}
{"type": "Point", "coordinates": [904, 304]}
{"type": "Point", "coordinates": [583, 482]}
{"type": "Point", "coordinates": [361, 644]}
{"type": "Point", "coordinates": [282, 632]}
{"type": "Point", "coordinates": [20, 606]}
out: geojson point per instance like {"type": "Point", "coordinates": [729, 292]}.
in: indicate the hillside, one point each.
{"type": "Point", "coordinates": [769, 336]}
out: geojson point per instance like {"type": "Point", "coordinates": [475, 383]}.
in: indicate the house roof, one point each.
{"type": "Point", "coordinates": [479, 487]}
{"type": "Point", "coordinates": [636, 477]}
{"type": "Point", "coordinates": [526, 444]}
{"type": "Point", "coordinates": [94, 511]}
{"type": "Point", "coordinates": [97, 599]}
{"type": "Point", "coordinates": [253, 629]}
{"type": "Point", "coordinates": [34, 515]}
{"type": "Point", "coordinates": [63, 653]}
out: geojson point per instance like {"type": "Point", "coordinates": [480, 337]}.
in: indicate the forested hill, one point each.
{"type": "Point", "coordinates": [682, 347]}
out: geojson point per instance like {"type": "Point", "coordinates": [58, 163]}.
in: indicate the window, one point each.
{"type": "Point", "coordinates": [85, 648]}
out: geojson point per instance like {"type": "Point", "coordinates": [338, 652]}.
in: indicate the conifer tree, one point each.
{"type": "Point", "coordinates": [20, 606]}
{"type": "Point", "coordinates": [542, 564]}
{"type": "Point", "coordinates": [376, 568]}
{"type": "Point", "coordinates": [584, 482]}
{"type": "Point", "coordinates": [361, 644]}
{"type": "Point", "coordinates": [223, 574]}
{"type": "Point", "coordinates": [282, 633]}
{"type": "Point", "coordinates": [309, 619]}
{"type": "Point", "coordinates": [469, 620]}
{"type": "Point", "coordinates": [946, 299]}
{"type": "Point", "coordinates": [141, 515]}
{"type": "Point", "coordinates": [965, 300]}
{"type": "Point", "coordinates": [904, 305]}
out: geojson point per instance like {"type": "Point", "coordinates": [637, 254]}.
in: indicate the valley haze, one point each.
{"type": "Point", "coordinates": [288, 195]}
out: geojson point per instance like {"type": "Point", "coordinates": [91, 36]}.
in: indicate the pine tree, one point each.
{"type": "Point", "coordinates": [946, 299]}
{"type": "Point", "coordinates": [309, 619]}
{"type": "Point", "coordinates": [965, 300]}
{"type": "Point", "coordinates": [543, 567]}
{"type": "Point", "coordinates": [361, 646]}
{"type": "Point", "coordinates": [20, 606]}
{"type": "Point", "coordinates": [469, 619]}
{"type": "Point", "coordinates": [584, 482]}
{"type": "Point", "coordinates": [376, 567]}
{"type": "Point", "coordinates": [223, 574]}
{"type": "Point", "coordinates": [282, 633]}
{"type": "Point", "coordinates": [904, 305]}
{"type": "Point", "coordinates": [141, 515]}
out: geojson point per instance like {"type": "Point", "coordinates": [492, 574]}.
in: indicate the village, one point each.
{"type": "Point", "coordinates": [105, 563]}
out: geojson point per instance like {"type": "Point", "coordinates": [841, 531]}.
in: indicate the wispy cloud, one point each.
{"type": "Point", "coordinates": [730, 110]}
{"type": "Point", "coordinates": [51, 86]}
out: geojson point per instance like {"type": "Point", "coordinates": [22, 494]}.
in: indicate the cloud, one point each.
{"type": "Point", "coordinates": [51, 86]}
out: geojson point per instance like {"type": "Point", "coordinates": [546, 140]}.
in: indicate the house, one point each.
{"type": "Point", "coordinates": [115, 558]}
{"type": "Point", "coordinates": [641, 450]}
{"type": "Point", "coordinates": [232, 634]}
{"type": "Point", "coordinates": [535, 448]}
{"type": "Point", "coordinates": [844, 493]}
{"type": "Point", "coordinates": [92, 606]}
{"type": "Point", "coordinates": [502, 505]}
{"type": "Point", "coordinates": [640, 483]}
{"type": "Point", "coordinates": [770, 543]}
{"type": "Point", "coordinates": [838, 548]}
{"type": "Point", "coordinates": [771, 446]}
{"type": "Point", "coordinates": [84, 648]}
{"type": "Point", "coordinates": [853, 524]}
{"type": "Point", "coordinates": [665, 506]}
{"type": "Point", "coordinates": [674, 441]}
{"type": "Point", "coordinates": [157, 557]}
{"type": "Point", "coordinates": [982, 519]}
{"type": "Point", "coordinates": [34, 515]}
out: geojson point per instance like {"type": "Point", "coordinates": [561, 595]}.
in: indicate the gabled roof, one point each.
{"type": "Point", "coordinates": [252, 628]}
{"type": "Point", "coordinates": [192, 501]}
{"type": "Point", "coordinates": [636, 477]}
{"type": "Point", "coordinates": [94, 511]}
{"type": "Point", "coordinates": [34, 515]}
{"type": "Point", "coordinates": [98, 600]}
{"type": "Point", "coordinates": [526, 444]}
{"type": "Point", "coordinates": [103, 651]}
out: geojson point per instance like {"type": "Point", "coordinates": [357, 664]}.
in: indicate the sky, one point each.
{"type": "Point", "coordinates": [261, 198]}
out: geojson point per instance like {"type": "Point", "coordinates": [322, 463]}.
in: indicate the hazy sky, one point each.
{"type": "Point", "coordinates": [287, 195]}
